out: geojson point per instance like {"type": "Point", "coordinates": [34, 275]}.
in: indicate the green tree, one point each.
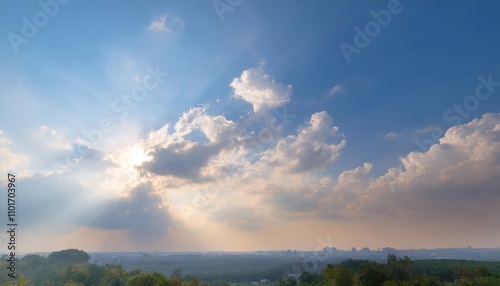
{"type": "Point", "coordinates": [399, 269]}
{"type": "Point", "coordinates": [339, 275]}
{"type": "Point", "coordinates": [311, 279]}
{"type": "Point", "coordinates": [143, 279]}
{"type": "Point", "coordinates": [76, 273]}
{"type": "Point", "coordinates": [373, 275]}
{"type": "Point", "coordinates": [306, 277]}
{"type": "Point", "coordinates": [74, 256]}
{"type": "Point", "coordinates": [289, 281]}
{"type": "Point", "coordinates": [146, 279]}
{"type": "Point", "coordinates": [483, 271]}
{"type": "Point", "coordinates": [113, 275]}
{"type": "Point", "coordinates": [176, 274]}
{"type": "Point", "coordinates": [95, 274]}
{"type": "Point", "coordinates": [73, 283]}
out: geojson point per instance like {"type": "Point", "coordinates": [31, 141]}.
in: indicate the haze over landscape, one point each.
{"type": "Point", "coordinates": [251, 125]}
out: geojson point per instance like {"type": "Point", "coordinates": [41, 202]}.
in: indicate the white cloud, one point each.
{"type": "Point", "coordinates": [167, 23]}
{"type": "Point", "coordinates": [310, 150]}
{"type": "Point", "coordinates": [215, 128]}
{"type": "Point", "coordinates": [472, 145]}
{"type": "Point", "coordinates": [355, 175]}
{"type": "Point", "coordinates": [3, 138]}
{"type": "Point", "coordinates": [188, 158]}
{"type": "Point", "coordinates": [455, 181]}
{"type": "Point", "coordinates": [426, 129]}
{"type": "Point", "coordinates": [53, 139]}
{"type": "Point", "coordinates": [10, 160]}
{"type": "Point", "coordinates": [259, 89]}
{"type": "Point", "coordinates": [456, 177]}
{"type": "Point", "coordinates": [219, 173]}
{"type": "Point", "coordinates": [214, 182]}
{"type": "Point", "coordinates": [335, 90]}
{"type": "Point", "coordinates": [392, 134]}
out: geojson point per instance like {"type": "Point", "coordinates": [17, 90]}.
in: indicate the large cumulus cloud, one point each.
{"type": "Point", "coordinates": [459, 176]}
{"type": "Point", "coordinates": [313, 148]}
{"type": "Point", "coordinates": [456, 180]}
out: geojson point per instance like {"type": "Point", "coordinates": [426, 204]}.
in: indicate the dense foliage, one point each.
{"type": "Point", "coordinates": [405, 272]}
{"type": "Point", "coordinates": [72, 268]}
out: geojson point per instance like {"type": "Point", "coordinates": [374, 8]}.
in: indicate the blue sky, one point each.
{"type": "Point", "coordinates": [353, 123]}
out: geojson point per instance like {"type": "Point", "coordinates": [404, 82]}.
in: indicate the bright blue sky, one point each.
{"type": "Point", "coordinates": [397, 89]}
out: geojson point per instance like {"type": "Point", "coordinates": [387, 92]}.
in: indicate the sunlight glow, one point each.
{"type": "Point", "coordinates": [136, 156]}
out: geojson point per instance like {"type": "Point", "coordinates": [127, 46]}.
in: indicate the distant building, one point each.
{"type": "Point", "coordinates": [330, 250]}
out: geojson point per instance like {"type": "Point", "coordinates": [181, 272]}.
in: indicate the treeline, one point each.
{"type": "Point", "coordinates": [237, 268]}
{"type": "Point", "coordinates": [402, 272]}
{"type": "Point", "coordinates": [71, 267]}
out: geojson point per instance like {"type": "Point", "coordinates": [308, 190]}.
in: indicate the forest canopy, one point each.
{"type": "Point", "coordinates": [72, 267]}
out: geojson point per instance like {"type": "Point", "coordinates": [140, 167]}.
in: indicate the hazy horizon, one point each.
{"type": "Point", "coordinates": [250, 125]}
{"type": "Point", "coordinates": [298, 251]}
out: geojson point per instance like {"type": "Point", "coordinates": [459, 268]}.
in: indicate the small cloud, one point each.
{"type": "Point", "coordinates": [426, 129]}
{"type": "Point", "coordinates": [326, 95]}
{"type": "Point", "coordinates": [10, 160]}
{"type": "Point", "coordinates": [392, 135]}
{"type": "Point", "coordinates": [53, 139]}
{"type": "Point", "coordinates": [166, 23]}
{"type": "Point", "coordinates": [261, 90]}
{"type": "Point", "coordinates": [334, 90]}
{"type": "Point", "coordinates": [3, 138]}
